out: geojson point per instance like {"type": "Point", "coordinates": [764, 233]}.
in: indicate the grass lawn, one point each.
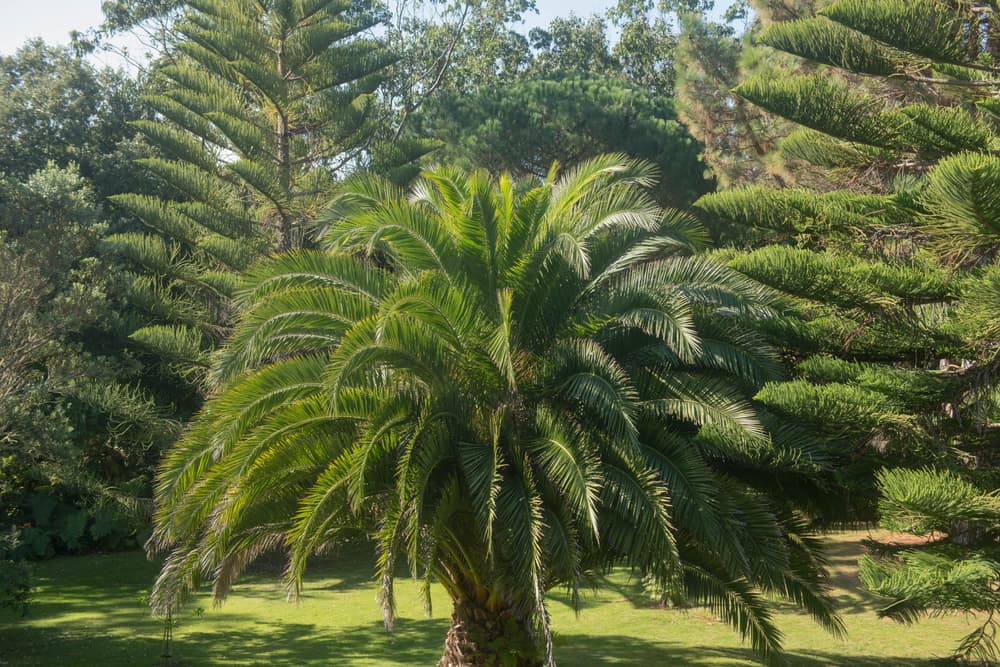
{"type": "Point", "coordinates": [88, 612]}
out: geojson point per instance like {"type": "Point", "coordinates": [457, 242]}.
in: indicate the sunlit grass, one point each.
{"type": "Point", "coordinates": [88, 611]}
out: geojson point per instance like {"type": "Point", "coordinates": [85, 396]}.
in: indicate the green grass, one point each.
{"type": "Point", "coordinates": [88, 612]}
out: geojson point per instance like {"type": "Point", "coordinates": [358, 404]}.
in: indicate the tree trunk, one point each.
{"type": "Point", "coordinates": [283, 132]}
{"type": "Point", "coordinates": [484, 637]}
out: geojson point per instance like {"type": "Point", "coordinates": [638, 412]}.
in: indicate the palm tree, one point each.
{"type": "Point", "coordinates": [510, 386]}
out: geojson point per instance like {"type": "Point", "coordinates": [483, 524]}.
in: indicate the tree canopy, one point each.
{"type": "Point", "coordinates": [897, 105]}
{"type": "Point", "coordinates": [511, 385]}
{"type": "Point", "coordinates": [525, 126]}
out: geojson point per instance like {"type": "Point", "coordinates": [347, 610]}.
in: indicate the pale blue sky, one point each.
{"type": "Point", "coordinates": [54, 19]}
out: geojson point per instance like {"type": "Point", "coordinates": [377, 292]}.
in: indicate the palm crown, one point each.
{"type": "Point", "coordinates": [510, 386]}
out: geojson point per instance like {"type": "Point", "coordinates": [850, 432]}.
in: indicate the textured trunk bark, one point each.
{"type": "Point", "coordinates": [965, 533]}
{"type": "Point", "coordinates": [481, 637]}
{"type": "Point", "coordinates": [284, 160]}
{"type": "Point", "coordinates": [286, 241]}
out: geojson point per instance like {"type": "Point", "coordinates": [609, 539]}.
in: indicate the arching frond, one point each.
{"type": "Point", "coordinates": [507, 387]}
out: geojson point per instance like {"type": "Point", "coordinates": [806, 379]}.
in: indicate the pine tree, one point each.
{"type": "Point", "coordinates": [262, 107]}
{"type": "Point", "coordinates": [712, 57]}
{"type": "Point", "coordinates": [742, 141]}
{"type": "Point", "coordinates": [735, 135]}
{"type": "Point", "coordinates": [894, 282]}
{"type": "Point", "coordinates": [523, 127]}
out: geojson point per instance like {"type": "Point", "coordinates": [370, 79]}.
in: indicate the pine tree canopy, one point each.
{"type": "Point", "coordinates": [900, 106]}
{"type": "Point", "coordinates": [569, 117]}
{"type": "Point", "coordinates": [827, 106]}
{"type": "Point", "coordinates": [961, 207]}
{"type": "Point", "coordinates": [829, 153]}
{"type": "Point", "coordinates": [929, 28]}
{"type": "Point", "coordinates": [791, 211]}
{"type": "Point", "coordinates": [737, 137]}
{"type": "Point", "coordinates": [944, 574]}
{"type": "Point", "coordinates": [262, 107]}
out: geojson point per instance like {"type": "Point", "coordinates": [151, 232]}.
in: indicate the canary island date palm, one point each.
{"type": "Point", "coordinates": [509, 387]}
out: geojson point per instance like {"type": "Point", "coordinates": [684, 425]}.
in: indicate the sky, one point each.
{"type": "Point", "coordinates": [52, 20]}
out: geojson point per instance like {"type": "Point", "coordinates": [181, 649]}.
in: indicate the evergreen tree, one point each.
{"type": "Point", "coordinates": [710, 57]}
{"type": "Point", "coordinates": [902, 267]}
{"type": "Point", "coordinates": [524, 126]}
{"type": "Point", "coordinates": [529, 383]}
{"type": "Point", "coordinates": [262, 107]}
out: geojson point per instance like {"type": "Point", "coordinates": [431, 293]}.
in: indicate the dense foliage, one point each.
{"type": "Point", "coordinates": [512, 386]}
{"type": "Point", "coordinates": [81, 421]}
{"type": "Point", "coordinates": [58, 108]}
{"type": "Point", "coordinates": [74, 423]}
{"type": "Point", "coordinates": [892, 281]}
{"type": "Point", "coordinates": [523, 127]}
{"type": "Point", "coordinates": [511, 374]}
{"type": "Point", "coordinates": [257, 110]}
{"type": "Point", "coordinates": [710, 58]}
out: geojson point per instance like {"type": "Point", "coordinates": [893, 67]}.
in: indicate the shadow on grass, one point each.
{"type": "Point", "coordinates": [414, 642]}
{"type": "Point", "coordinates": [88, 613]}
{"type": "Point", "coordinates": [411, 643]}
{"type": "Point", "coordinates": [54, 647]}
{"type": "Point", "coordinates": [578, 650]}
{"type": "Point", "coordinates": [846, 589]}
{"type": "Point", "coordinates": [350, 567]}
{"type": "Point", "coordinates": [251, 643]}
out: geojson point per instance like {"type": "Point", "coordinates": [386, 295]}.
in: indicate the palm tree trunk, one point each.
{"type": "Point", "coordinates": [483, 637]}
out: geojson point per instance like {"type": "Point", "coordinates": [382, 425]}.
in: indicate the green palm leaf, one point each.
{"type": "Point", "coordinates": [508, 387]}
